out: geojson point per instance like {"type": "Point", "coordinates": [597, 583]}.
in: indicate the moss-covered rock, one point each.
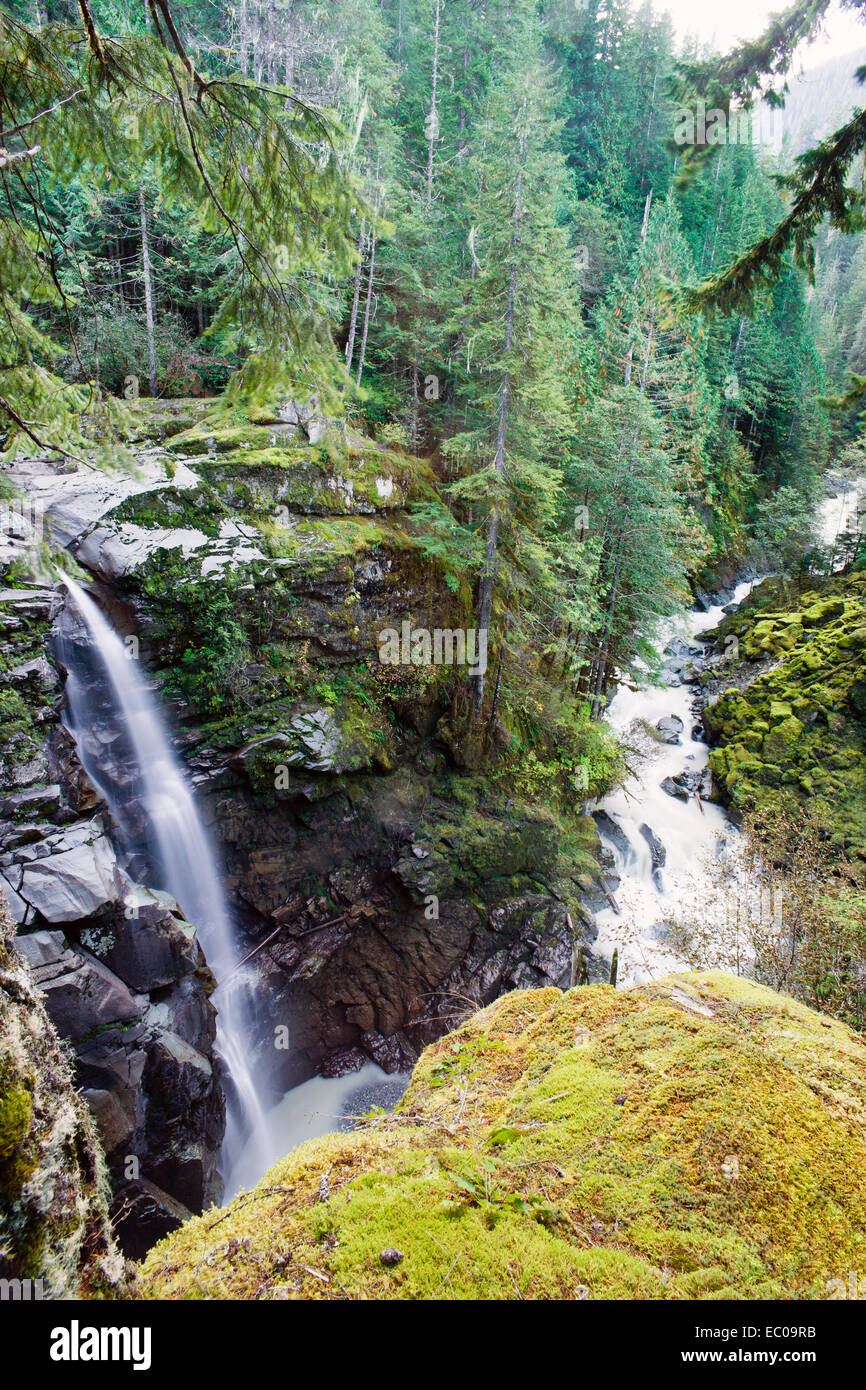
{"type": "Point", "coordinates": [702, 1137]}
{"type": "Point", "coordinates": [54, 1223]}
{"type": "Point", "coordinates": [796, 722]}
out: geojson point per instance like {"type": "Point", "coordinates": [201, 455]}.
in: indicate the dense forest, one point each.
{"type": "Point", "coordinates": [533, 324]}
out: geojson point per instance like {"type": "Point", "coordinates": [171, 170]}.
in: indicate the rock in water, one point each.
{"type": "Point", "coordinates": [670, 728]}
{"type": "Point", "coordinates": [657, 849]}
{"type": "Point", "coordinates": [743, 1189]}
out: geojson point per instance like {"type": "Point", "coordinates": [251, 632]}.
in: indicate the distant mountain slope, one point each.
{"type": "Point", "coordinates": [818, 103]}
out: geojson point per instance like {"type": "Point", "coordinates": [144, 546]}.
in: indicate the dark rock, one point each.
{"type": "Point", "coordinates": [143, 1213]}
{"type": "Point", "coordinates": [35, 801]}
{"type": "Point", "coordinates": [612, 831]}
{"type": "Point", "coordinates": [152, 949]}
{"type": "Point", "coordinates": [674, 787]}
{"type": "Point", "coordinates": [391, 1257]}
{"type": "Point", "coordinates": [657, 850]}
{"type": "Point", "coordinates": [670, 727]}
{"type": "Point", "coordinates": [81, 995]}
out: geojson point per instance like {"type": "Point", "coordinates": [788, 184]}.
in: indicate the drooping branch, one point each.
{"type": "Point", "coordinates": [818, 188]}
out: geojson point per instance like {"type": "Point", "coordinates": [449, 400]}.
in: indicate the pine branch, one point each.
{"type": "Point", "coordinates": [7, 159]}
{"type": "Point", "coordinates": [818, 188]}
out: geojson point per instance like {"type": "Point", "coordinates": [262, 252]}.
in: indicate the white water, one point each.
{"type": "Point", "coordinates": [318, 1107]}
{"type": "Point", "coordinates": [693, 833]}
{"type": "Point", "coordinates": [185, 860]}
{"type": "Point", "coordinates": [840, 513]}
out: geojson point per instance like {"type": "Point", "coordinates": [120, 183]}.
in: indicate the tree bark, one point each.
{"type": "Point", "coordinates": [148, 292]}
{"type": "Point", "coordinates": [433, 118]}
{"type": "Point", "coordinates": [485, 593]}
{"type": "Point", "coordinates": [244, 37]}
{"type": "Point", "coordinates": [369, 299]}
{"type": "Point", "coordinates": [353, 321]}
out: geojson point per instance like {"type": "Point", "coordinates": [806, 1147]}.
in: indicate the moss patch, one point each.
{"type": "Point", "coordinates": [699, 1138]}
{"type": "Point", "coordinates": [800, 726]}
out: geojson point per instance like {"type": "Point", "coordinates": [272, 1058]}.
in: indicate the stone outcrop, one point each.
{"type": "Point", "coordinates": [55, 1231]}
{"type": "Point", "coordinates": [698, 1138]}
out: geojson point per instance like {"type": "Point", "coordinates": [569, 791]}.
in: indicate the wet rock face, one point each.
{"type": "Point", "coordinates": [393, 914]}
{"type": "Point", "coordinates": [118, 967]}
{"type": "Point", "coordinates": [129, 993]}
{"type": "Point", "coordinates": [54, 1221]}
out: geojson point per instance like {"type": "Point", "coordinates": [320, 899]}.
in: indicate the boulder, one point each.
{"type": "Point", "coordinates": [670, 728]}
{"type": "Point", "coordinates": [616, 1104]}
{"type": "Point", "coordinates": [657, 850]}
{"type": "Point", "coordinates": [147, 950]}
{"type": "Point", "coordinates": [81, 995]}
{"type": "Point", "coordinates": [76, 880]}
{"type": "Point", "coordinates": [612, 831]}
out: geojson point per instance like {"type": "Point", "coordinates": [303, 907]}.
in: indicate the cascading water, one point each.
{"type": "Point", "coordinates": [692, 832]}
{"type": "Point", "coordinates": [179, 849]}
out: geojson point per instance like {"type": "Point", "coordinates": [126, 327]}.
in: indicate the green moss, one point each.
{"type": "Point", "coordinates": [54, 1222]}
{"type": "Point", "coordinates": [15, 1112]}
{"type": "Point", "coordinates": [699, 1138]}
{"type": "Point", "coordinates": [799, 726]}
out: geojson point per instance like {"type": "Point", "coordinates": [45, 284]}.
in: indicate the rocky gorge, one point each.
{"type": "Point", "coordinates": [383, 886]}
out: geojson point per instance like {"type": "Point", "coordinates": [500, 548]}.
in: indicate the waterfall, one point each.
{"type": "Point", "coordinates": [178, 847]}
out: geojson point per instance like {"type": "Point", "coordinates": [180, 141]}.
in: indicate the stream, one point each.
{"type": "Point", "coordinates": [663, 847]}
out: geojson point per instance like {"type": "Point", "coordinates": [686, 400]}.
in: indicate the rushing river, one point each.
{"type": "Point", "coordinates": [688, 834]}
{"type": "Point", "coordinates": [693, 835]}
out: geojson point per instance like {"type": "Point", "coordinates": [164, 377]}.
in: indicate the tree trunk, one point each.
{"type": "Point", "coordinates": [290, 44]}
{"type": "Point", "coordinates": [244, 37]}
{"type": "Point", "coordinates": [272, 42]}
{"type": "Point", "coordinates": [148, 292]}
{"type": "Point", "coordinates": [367, 306]}
{"type": "Point", "coordinates": [485, 593]}
{"type": "Point", "coordinates": [433, 118]}
{"type": "Point", "coordinates": [353, 321]}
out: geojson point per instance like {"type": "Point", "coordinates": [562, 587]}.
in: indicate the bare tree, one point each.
{"type": "Point", "coordinates": [148, 291]}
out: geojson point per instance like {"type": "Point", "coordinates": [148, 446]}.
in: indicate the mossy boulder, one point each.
{"type": "Point", "coordinates": [54, 1223]}
{"type": "Point", "coordinates": [699, 1138]}
{"type": "Point", "coordinates": [798, 724]}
